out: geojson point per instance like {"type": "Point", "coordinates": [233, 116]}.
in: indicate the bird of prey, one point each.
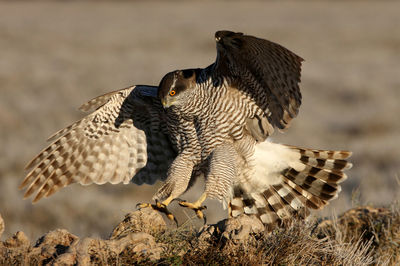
{"type": "Point", "coordinates": [210, 123]}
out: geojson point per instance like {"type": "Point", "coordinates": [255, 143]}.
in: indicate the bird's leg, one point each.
{"type": "Point", "coordinates": [179, 175]}
{"type": "Point", "coordinates": [196, 206]}
{"type": "Point", "coordinates": [161, 207]}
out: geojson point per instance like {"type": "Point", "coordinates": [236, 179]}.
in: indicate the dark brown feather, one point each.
{"type": "Point", "coordinates": [267, 71]}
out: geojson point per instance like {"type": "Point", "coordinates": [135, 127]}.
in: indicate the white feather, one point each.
{"type": "Point", "coordinates": [270, 160]}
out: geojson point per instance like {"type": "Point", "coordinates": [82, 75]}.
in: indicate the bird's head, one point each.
{"type": "Point", "coordinates": [175, 87]}
{"type": "Point", "coordinates": [228, 39]}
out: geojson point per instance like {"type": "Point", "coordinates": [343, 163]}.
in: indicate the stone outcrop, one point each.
{"type": "Point", "coordinates": [130, 239]}
{"type": "Point", "coordinates": [239, 231]}
{"type": "Point", "coordinates": [145, 220]}
{"type": "Point", "coordinates": [142, 237]}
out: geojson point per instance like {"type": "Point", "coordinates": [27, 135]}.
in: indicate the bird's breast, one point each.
{"type": "Point", "coordinates": [213, 119]}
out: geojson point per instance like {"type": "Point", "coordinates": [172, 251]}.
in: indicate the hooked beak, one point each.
{"type": "Point", "coordinates": [166, 104]}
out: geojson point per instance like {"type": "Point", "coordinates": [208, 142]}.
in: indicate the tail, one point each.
{"type": "Point", "coordinates": [288, 182]}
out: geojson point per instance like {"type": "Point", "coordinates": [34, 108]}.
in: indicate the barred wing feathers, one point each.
{"type": "Point", "coordinates": [266, 71]}
{"type": "Point", "coordinates": [123, 140]}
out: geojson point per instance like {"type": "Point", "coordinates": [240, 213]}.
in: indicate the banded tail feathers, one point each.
{"type": "Point", "coordinates": [290, 181]}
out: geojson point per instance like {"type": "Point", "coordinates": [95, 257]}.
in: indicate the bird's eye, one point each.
{"type": "Point", "coordinates": [172, 92]}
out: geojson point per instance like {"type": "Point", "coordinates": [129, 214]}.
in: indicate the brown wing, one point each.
{"type": "Point", "coordinates": [266, 71]}
{"type": "Point", "coordinates": [123, 140]}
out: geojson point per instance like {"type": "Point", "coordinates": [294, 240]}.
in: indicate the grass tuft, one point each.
{"type": "Point", "coordinates": [360, 236]}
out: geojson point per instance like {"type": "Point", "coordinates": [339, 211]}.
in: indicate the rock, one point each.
{"type": "Point", "coordinates": [53, 244]}
{"type": "Point", "coordinates": [18, 240]}
{"type": "Point", "coordinates": [137, 245]}
{"type": "Point", "coordinates": [239, 229]}
{"type": "Point", "coordinates": [1, 225]}
{"type": "Point", "coordinates": [144, 220]}
{"type": "Point", "coordinates": [235, 230]}
{"type": "Point", "coordinates": [67, 259]}
{"type": "Point", "coordinates": [366, 222]}
{"type": "Point", "coordinates": [130, 243]}
{"type": "Point", "coordinates": [130, 239]}
{"type": "Point", "coordinates": [15, 250]}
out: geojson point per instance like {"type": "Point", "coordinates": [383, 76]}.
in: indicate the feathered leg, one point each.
{"type": "Point", "coordinates": [179, 175]}
{"type": "Point", "coordinates": [219, 178]}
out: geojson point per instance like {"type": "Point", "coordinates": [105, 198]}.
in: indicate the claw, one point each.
{"type": "Point", "coordinates": [159, 206]}
{"type": "Point", "coordinates": [142, 205]}
{"type": "Point", "coordinates": [197, 209]}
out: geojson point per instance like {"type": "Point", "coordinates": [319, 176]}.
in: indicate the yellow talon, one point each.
{"type": "Point", "coordinates": [161, 207]}
{"type": "Point", "coordinates": [199, 214]}
{"type": "Point", "coordinates": [196, 206]}
{"type": "Point", "coordinates": [143, 205]}
{"type": "Point", "coordinates": [172, 218]}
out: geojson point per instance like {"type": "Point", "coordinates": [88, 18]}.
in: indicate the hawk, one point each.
{"type": "Point", "coordinates": [212, 123]}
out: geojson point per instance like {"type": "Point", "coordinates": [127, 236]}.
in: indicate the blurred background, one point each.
{"type": "Point", "coordinates": [54, 56]}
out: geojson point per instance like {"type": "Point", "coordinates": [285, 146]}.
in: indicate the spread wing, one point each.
{"type": "Point", "coordinates": [123, 140]}
{"type": "Point", "coordinates": [266, 71]}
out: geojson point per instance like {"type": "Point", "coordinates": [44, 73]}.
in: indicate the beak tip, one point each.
{"type": "Point", "coordinates": [165, 104]}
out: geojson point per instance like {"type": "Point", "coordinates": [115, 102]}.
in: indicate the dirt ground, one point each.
{"type": "Point", "coordinates": [56, 55]}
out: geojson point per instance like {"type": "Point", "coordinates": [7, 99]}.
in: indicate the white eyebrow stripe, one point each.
{"type": "Point", "coordinates": [174, 81]}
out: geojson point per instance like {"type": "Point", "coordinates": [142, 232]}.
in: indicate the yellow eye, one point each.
{"type": "Point", "coordinates": [172, 92]}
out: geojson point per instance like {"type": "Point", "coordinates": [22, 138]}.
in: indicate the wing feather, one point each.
{"type": "Point", "coordinates": [123, 140]}
{"type": "Point", "coordinates": [266, 71]}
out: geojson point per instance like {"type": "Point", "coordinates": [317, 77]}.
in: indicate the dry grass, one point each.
{"type": "Point", "coordinates": [360, 236]}
{"type": "Point", "coordinates": [292, 246]}
{"type": "Point", "coordinates": [380, 226]}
